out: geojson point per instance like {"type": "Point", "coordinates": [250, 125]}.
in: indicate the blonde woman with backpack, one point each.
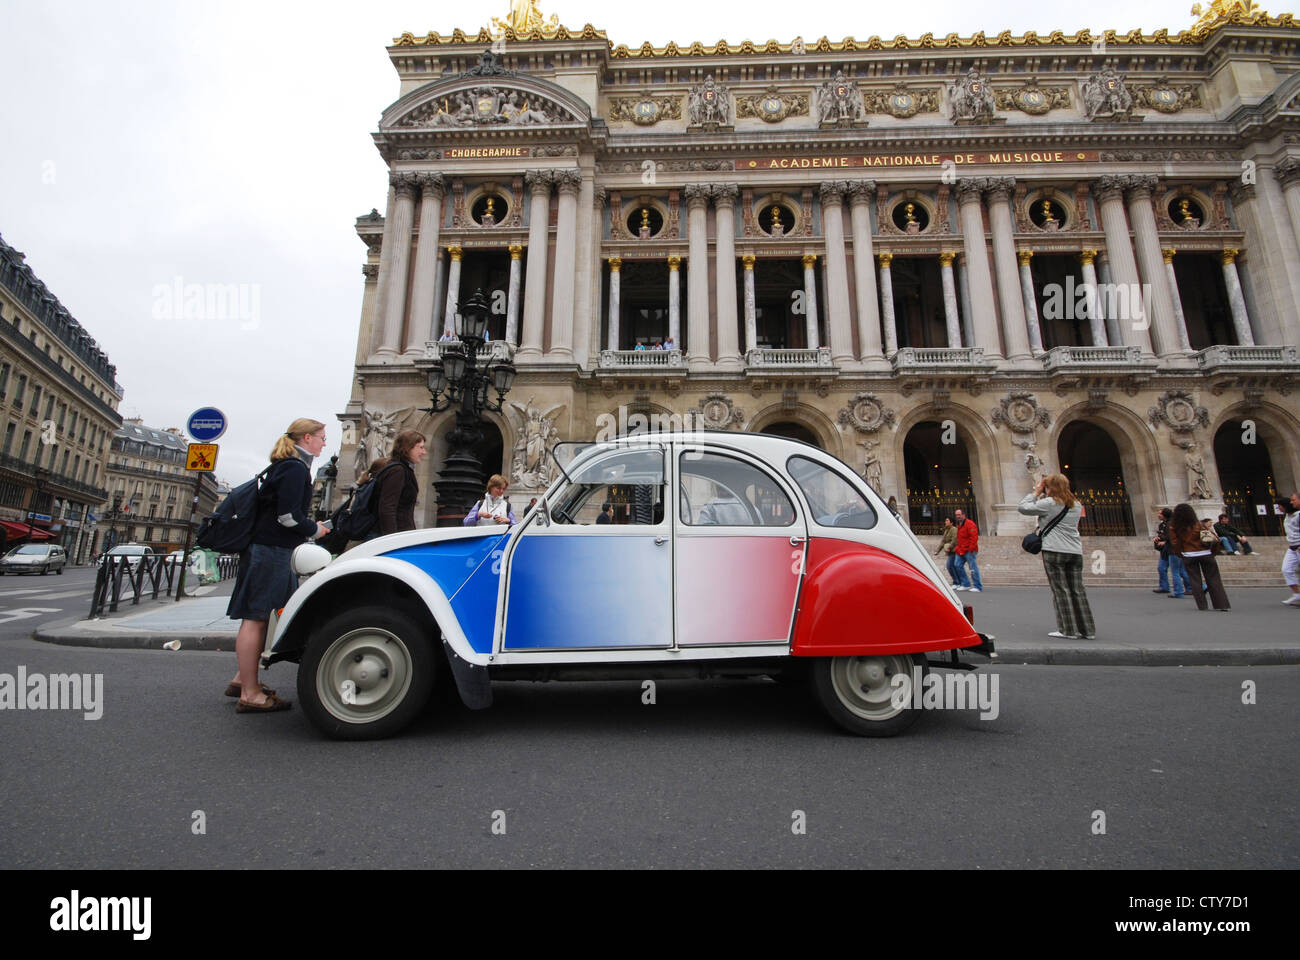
{"type": "Point", "coordinates": [266, 580]}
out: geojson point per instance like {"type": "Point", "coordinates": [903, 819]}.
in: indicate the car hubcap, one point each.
{"type": "Point", "coordinates": [866, 685]}
{"type": "Point", "coordinates": [364, 675]}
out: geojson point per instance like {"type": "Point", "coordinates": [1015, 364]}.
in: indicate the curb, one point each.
{"type": "Point", "coordinates": [1032, 655]}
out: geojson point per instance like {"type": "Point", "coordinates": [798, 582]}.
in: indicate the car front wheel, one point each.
{"type": "Point", "coordinates": [367, 673]}
{"type": "Point", "coordinates": [862, 695]}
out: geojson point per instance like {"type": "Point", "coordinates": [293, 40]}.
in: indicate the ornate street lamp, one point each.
{"type": "Point", "coordinates": [457, 380]}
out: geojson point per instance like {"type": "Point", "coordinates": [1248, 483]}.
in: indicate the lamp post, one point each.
{"type": "Point", "coordinates": [457, 380]}
{"type": "Point", "coordinates": [41, 476]}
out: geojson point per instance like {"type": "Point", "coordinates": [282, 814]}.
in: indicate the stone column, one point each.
{"type": "Point", "coordinates": [675, 300]}
{"type": "Point", "coordinates": [1180, 320]}
{"type": "Point", "coordinates": [839, 321]}
{"type": "Point", "coordinates": [887, 304]}
{"type": "Point", "coordinates": [399, 267]}
{"type": "Point", "coordinates": [950, 315]}
{"type": "Point", "coordinates": [1137, 190]}
{"type": "Point", "coordinates": [1113, 332]}
{"type": "Point", "coordinates": [424, 319]}
{"type": "Point", "coordinates": [724, 201]}
{"type": "Point", "coordinates": [1274, 268]}
{"type": "Point", "coordinates": [861, 193]}
{"type": "Point", "coordinates": [512, 295]}
{"type": "Point", "coordinates": [453, 290]}
{"type": "Point", "coordinates": [1109, 191]}
{"type": "Point", "coordinates": [963, 293]}
{"type": "Point", "coordinates": [751, 310]}
{"type": "Point", "coordinates": [381, 282]}
{"type": "Point", "coordinates": [1010, 297]}
{"type": "Point", "coordinates": [1030, 301]}
{"type": "Point", "coordinates": [568, 183]}
{"type": "Point", "coordinates": [1095, 321]}
{"type": "Point", "coordinates": [439, 293]}
{"type": "Point", "coordinates": [810, 299]}
{"type": "Point", "coordinates": [984, 321]}
{"type": "Point", "coordinates": [1288, 175]}
{"type": "Point", "coordinates": [1236, 301]}
{"type": "Point", "coordinates": [615, 275]}
{"type": "Point", "coordinates": [539, 217]}
{"type": "Point", "coordinates": [697, 284]}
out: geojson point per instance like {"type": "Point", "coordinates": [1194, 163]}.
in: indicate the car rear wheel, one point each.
{"type": "Point", "coordinates": [862, 696]}
{"type": "Point", "coordinates": [367, 673]}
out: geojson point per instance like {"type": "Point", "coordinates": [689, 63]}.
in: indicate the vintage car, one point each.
{"type": "Point", "coordinates": [773, 559]}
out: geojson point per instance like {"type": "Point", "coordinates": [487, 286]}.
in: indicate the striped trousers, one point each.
{"type": "Point", "coordinates": [1065, 577]}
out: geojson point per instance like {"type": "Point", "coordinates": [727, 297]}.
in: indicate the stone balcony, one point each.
{"type": "Point", "coordinates": [642, 361]}
{"type": "Point", "coordinates": [492, 350]}
{"type": "Point", "coordinates": [1223, 358]}
{"type": "Point", "coordinates": [776, 359]}
{"type": "Point", "coordinates": [941, 360]}
{"type": "Point", "coordinates": [1124, 359]}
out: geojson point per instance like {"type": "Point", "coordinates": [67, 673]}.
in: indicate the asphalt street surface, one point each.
{"type": "Point", "coordinates": [714, 774]}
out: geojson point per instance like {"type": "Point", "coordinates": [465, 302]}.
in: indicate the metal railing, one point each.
{"type": "Point", "coordinates": [639, 359]}
{"type": "Point", "coordinates": [927, 508]}
{"type": "Point", "coordinates": [788, 357]}
{"type": "Point", "coordinates": [121, 578]}
{"type": "Point", "coordinates": [1106, 513]}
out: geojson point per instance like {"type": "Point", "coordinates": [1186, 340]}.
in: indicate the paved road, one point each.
{"type": "Point", "coordinates": [709, 776]}
{"type": "Point", "coordinates": [31, 600]}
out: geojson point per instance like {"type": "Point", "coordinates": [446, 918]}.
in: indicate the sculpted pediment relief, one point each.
{"type": "Point", "coordinates": [497, 104]}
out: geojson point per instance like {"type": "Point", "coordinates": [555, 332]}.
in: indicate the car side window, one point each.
{"type": "Point", "coordinates": [834, 501]}
{"type": "Point", "coordinates": [717, 490]}
{"type": "Point", "coordinates": [625, 488]}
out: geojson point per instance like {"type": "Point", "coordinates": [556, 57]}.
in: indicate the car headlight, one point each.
{"type": "Point", "coordinates": [309, 558]}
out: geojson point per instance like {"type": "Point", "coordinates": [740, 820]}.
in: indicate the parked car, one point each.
{"type": "Point", "coordinates": [34, 558]}
{"type": "Point", "coordinates": [135, 552]}
{"type": "Point", "coordinates": [771, 558]}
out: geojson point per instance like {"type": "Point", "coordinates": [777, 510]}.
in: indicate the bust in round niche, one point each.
{"type": "Point", "coordinates": [1186, 213]}
{"type": "Point", "coordinates": [1047, 214]}
{"type": "Point", "coordinates": [645, 221]}
{"type": "Point", "coordinates": [489, 210]}
{"type": "Point", "coordinates": [910, 216]}
{"type": "Point", "coordinates": [776, 220]}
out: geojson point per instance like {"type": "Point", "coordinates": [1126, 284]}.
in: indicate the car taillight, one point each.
{"type": "Point", "coordinates": [970, 613]}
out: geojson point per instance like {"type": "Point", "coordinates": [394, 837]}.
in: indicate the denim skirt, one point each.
{"type": "Point", "coordinates": [265, 582]}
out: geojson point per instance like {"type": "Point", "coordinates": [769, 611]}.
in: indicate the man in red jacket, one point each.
{"type": "Point", "coordinates": [968, 546]}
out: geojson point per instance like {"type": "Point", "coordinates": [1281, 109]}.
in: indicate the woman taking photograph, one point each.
{"type": "Point", "coordinates": [1062, 555]}
{"type": "Point", "coordinates": [1197, 551]}
{"type": "Point", "coordinates": [398, 489]}
{"type": "Point", "coordinates": [266, 579]}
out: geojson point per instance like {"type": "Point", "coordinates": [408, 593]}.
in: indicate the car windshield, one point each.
{"type": "Point", "coordinates": [30, 550]}
{"type": "Point", "coordinates": [128, 551]}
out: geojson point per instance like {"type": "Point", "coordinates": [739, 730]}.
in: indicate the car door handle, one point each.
{"type": "Point", "coordinates": [660, 541]}
{"type": "Point", "coordinates": [798, 541]}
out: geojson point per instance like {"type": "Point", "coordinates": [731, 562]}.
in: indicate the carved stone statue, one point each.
{"type": "Point", "coordinates": [971, 98]}
{"type": "Point", "coordinates": [840, 101]}
{"type": "Point", "coordinates": [1198, 485]}
{"type": "Point", "coordinates": [536, 436]}
{"type": "Point", "coordinates": [708, 103]}
{"type": "Point", "coordinates": [874, 471]}
{"type": "Point", "coordinates": [380, 430]}
{"type": "Point", "coordinates": [1106, 96]}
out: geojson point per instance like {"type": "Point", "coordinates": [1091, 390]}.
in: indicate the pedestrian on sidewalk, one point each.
{"type": "Point", "coordinates": [947, 547]}
{"type": "Point", "coordinates": [1231, 536]}
{"type": "Point", "coordinates": [1291, 561]}
{"type": "Point", "coordinates": [398, 489]}
{"type": "Point", "coordinates": [1054, 503]}
{"type": "Point", "coordinates": [1187, 538]}
{"type": "Point", "coordinates": [494, 508]}
{"type": "Point", "coordinates": [968, 545]}
{"type": "Point", "coordinates": [1170, 565]}
{"type": "Point", "coordinates": [266, 580]}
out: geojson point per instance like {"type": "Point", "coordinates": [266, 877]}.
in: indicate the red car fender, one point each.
{"type": "Point", "coordinates": [858, 600]}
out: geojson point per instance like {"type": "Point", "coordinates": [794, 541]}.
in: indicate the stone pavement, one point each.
{"type": "Point", "coordinates": [1134, 627]}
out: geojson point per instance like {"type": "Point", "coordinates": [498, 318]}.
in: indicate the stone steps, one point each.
{"type": "Point", "coordinates": [1129, 562]}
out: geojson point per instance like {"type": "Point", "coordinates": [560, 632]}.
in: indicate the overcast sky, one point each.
{"type": "Point", "coordinates": [228, 142]}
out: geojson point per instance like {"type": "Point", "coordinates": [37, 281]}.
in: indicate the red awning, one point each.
{"type": "Point", "coordinates": [20, 531]}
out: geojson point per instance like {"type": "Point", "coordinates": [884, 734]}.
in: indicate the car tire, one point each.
{"type": "Point", "coordinates": [367, 673]}
{"type": "Point", "coordinates": [858, 693]}
{"type": "Point", "coordinates": [45, 569]}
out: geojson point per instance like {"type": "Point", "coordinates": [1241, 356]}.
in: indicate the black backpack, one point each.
{"type": "Point", "coordinates": [230, 529]}
{"type": "Point", "coordinates": [360, 512]}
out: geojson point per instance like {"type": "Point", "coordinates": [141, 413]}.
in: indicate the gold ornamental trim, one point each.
{"type": "Point", "coordinates": [1219, 14]}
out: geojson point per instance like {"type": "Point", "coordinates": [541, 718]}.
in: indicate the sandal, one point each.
{"type": "Point", "coordinates": [273, 705]}
{"type": "Point", "coordinates": [235, 689]}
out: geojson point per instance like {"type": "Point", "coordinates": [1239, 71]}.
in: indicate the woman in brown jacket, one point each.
{"type": "Point", "coordinates": [398, 489]}
{"type": "Point", "coordinates": [1198, 555]}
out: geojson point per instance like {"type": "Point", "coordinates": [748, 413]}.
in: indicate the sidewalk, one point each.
{"type": "Point", "coordinates": [1135, 627]}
